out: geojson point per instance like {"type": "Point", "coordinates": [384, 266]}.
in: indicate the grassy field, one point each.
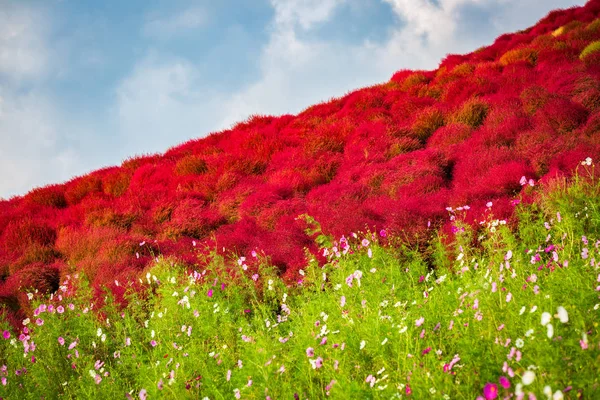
{"type": "Point", "coordinates": [509, 309]}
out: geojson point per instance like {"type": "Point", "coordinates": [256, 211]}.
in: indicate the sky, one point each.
{"type": "Point", "coordinates": [85, 84]}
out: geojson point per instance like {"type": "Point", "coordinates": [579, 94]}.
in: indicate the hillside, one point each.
{"type": "Point", "coordinates": [392, 156]}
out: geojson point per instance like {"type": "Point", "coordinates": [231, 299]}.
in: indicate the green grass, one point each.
{"type": "Point", "coordinates": [376, 322]}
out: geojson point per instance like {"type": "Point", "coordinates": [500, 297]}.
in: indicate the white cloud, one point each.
{"type": "Point", "coordinates": [162, 103]}
{"type": "Point", "coordinates": [306, 13]}
{"type": "Point", "coordinates": [23, 52]}
{"type": "Point", "coordinates": [30, 150]}
{"type": "Point", "coordinates": [296, 73]}
{"type": "Point", "coordinates": [174, 24]}
{"type": "Point", "coordinates": [164, 100]}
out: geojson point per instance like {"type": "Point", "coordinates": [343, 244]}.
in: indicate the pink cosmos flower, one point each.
{"type": "Point", "coordinates": [310, 352]}
{"type": "Point", "coordinates": [143, 394]}
{"type": "Point", "coordinates": [39, 322]}
{"type": "Point", "coordinates": [504, 382]}
{"type": "Point", "coordinates": [153, 343]}
{"type": "Point", "coordinates": [370, 380]}
{"type": "Point", "coordinates": [523, 181]}
{"type": "Point", "coordinates": [342, 301]}
{"type": "Point", "coordinates": [420, 321]}
{"type": "Point", "coordinates": [490, 391]}
{"type": "Point", "coordinates": [60, 309]}
{"type": "Point", "coordinates": [61, 341]}
{"type": "Point", "coordinates": [6, 335]}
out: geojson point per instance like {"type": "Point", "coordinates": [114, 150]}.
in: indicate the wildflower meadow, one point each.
{"type": "Point", "coordinates": [503, 309]}
{"type": "Point", "coordinates": [433, 236]}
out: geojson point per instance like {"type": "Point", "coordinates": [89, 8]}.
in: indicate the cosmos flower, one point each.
{"type": "Point", "coordinates": [546, 317]}
{"type": "Point", "coordinates": [490, 391]}
{"type": "Point", "coordinates": [550, 331]}
{"type": "Point", "coordinates": [504, 382]}
{"type": "Point", "coordinates": [562, 314]}
{"type": "Point", "coordinates": [528, 377]}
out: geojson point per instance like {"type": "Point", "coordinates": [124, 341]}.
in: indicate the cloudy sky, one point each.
{"type": "Point", "coordinates": [85, 84]}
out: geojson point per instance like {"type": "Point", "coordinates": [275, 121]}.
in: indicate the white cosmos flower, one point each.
{"type": "Point", "coordinates": [558, 395]}
{"type": "Point", "coordinates": [528, 377]}
{"type": "Point", "coordinates": [529, 332]}
{"type": "Point", "coordinates": [519, 343]}
{"type": "Point", "coordinates": [550, 332]}
{"type": "Point", "coordinates": [519, 389]}
{"type": "Point", "coordinates": [548, 391]}
{"type": "Point", "coordinates": [546, 317]}
{"type": "Point", "coordinates": [562, 314]}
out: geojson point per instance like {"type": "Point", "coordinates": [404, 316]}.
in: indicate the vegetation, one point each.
{"type": "Point", "coordinates": [471, 210]}
{"type": "Point", "coordinates": [505, 308]}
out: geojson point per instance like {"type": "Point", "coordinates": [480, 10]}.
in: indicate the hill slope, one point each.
{"type": "Point", "coordinates": [390, 156]}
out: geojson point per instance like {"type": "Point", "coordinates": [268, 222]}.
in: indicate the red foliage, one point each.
{"type": "Point", "coordinates": [389, 156]}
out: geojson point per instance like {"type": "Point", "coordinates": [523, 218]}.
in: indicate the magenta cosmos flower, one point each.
{"type": "Point", "coordinates": [490, 391]}
{"type": "Point", "coordinates": [6, 335]}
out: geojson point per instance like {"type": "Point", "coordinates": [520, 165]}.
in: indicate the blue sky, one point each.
{"type": "Point", "coordinates": [85, 84]}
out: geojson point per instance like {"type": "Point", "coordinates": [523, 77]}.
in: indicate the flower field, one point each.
{"type": "Point", "coordinates": [433, 236]}
{"type": "Point", "coordinates": [509, 310]}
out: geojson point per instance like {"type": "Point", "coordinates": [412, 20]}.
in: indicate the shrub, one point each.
{"type": "Point", "coordinates": [594, 26]}
{"type": "Point", "coordinates": [41, 277]}
{"type": "Point", "coordinates": [110, 218]}
{"type": "Point", "coordinates": [191, 165]}
{"type": "Point", "coordinates": [472, 113]}
{"type": "Point", "coordinates": [192, 218]}
{"type": "Point", "coordinates": [21, 234]}
{"type": "Point", "coordinates": [402, 145]}
{"type": "Point", "coordinates": [522, 55]}
{"type": "Point", "coordinates": [49, 196]}
{"type": "Point", "coordinates": [427, 122]}
{"type": "Point", "coordinates": [162, 213]}
{"type": "Point", "coordinates": [79, 188]}
{"type": "Point", "coordinates": [561, 114]}
{"type": "Point", "coordinates": [590, 49]}
{"type": "Point", "coordinates": [414, 80]}
{"type": "Point", "coordinates": [534, 97]}
{"type": "Point", "coordinates": [448, 136]}
{"type": "Point", "coordinates": [34, 254]}
{"type": "Point", "coordinates": [133, 163]}
{"type": "Point", "coordinates": [116, 183]}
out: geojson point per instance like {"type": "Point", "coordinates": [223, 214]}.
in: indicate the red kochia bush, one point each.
{"type": "Point", "coordinates": [21, 234]}
{"type": "Point", "coordinates": [391, 156]}
{"type": "Point", "coordinates": [51, 196]}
